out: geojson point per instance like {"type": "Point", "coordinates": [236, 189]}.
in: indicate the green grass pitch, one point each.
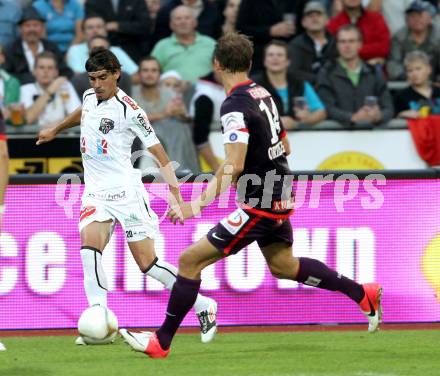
{"type": "Point", "coordinates": [340, 353]}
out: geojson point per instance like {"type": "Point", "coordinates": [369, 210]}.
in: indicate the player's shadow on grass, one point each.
{"type": "Point", "coordinates": [26, 371]}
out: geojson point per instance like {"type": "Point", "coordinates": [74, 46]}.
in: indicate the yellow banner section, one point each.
{"type": "Point", "coordinates": [45, 166]}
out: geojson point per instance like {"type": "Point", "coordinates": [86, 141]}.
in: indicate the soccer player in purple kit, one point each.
{"type": "Point", "coordinates": [256, 147]}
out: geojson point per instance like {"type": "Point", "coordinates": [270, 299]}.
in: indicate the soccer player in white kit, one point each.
{"type": "Point", "coordinates": [110, 120]}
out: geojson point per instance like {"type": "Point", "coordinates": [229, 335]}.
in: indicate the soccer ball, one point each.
{"type": "Point", "coordinates": [98, 325]}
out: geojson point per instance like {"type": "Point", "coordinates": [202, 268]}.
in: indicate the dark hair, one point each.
{"type": "Point", "coordinates": [93, 15]}
{"type": "Point", "coordinates": [150, 58]}
{"type": "Point", "coordinates": [279, 43]}
{"type": "Point", "coordinates": [46, 55]}
{"type": "Point", "coordinates": [234, 52]}
{"type": "Point", "coordinates": [350, 27]}
{"type": "Point", "coordinates": [102, 59]}
{"type": "Point", "coordinates": [98, 37]}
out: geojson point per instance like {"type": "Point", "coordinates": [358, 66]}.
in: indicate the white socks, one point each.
{"type": "Point", "coordinates": [95, 282]}
{"type": "Point", "coordinates": [166, 274]}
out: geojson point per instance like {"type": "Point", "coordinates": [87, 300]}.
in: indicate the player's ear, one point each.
{"type": "Point", "coordinates": [216, 64]}
{"type": "Point", "coordinates": [117, 75]}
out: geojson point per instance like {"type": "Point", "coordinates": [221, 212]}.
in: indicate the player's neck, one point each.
{"type": "Point", "coordinates": [231, 80]}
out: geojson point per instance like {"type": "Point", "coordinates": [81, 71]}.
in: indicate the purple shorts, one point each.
{"type": "Point", "coordinates": [243, 227]}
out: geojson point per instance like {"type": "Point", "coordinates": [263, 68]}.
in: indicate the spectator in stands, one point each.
{"type": "Point", "coordinates": [394, 13]}
{"type": "Point", "coordinates": [186, 51]}
{"type": "Point", "coordinates": [311, 49]}
{"type": "Point", "coordinates": [153, 7]}
{"type": "Point", "coordinates": [296, 100]}
{"type": "Point", "coordinates": [9, 88]}
{"type": "Point", "coordinates": [63, 21]}
{"type": "Point", "coordinates": [371, 5]}
{"type": "Point", "coordinates": [263, 21]}
{"type": "Point", "coordinates": [206, 13]}
{"type": "Point", "coordinates": [418, 34]}
{"type": "Point", "coordinates": [421, 98]}
{"type": "Point", "coordinates": [127, 23]}
{"type": "Point", "coordinates": [21, 53]}
{"type": "Point", "coordinates": [173, 80]}
{"type": "Point", "coordinates": [230, 13]}
{"type": "Point", "coordinates": [375, 33]}
{"type": "Point", "coordinates": [353, 92]}
{"type": "Point", "coordinates": [50, 98]}
{"type": "Point", "coordinates": [205, 111]}
{"type": "Point", "coordinates": [10, 14]}
{"type": "Point", "coordinates": [81, 81]}
{"type": "Point", "coordinates": [168, 115]}
{"type": "Point", "coordinates": [78, 54]}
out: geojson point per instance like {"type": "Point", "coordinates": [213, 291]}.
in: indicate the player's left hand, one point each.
{"type": "Point", "coordinates": [181, 212]}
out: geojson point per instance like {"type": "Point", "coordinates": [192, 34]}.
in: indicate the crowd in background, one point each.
{"type": "Point", "coordinates": [320, 60]}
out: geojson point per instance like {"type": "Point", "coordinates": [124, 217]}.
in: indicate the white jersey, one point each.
{"type": "Point", "coordinates": [108, 129]}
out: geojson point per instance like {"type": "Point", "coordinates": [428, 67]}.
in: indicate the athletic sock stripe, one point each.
{"type": "Point", "coordinates": [96, 273]}
{"type": "Point", "coordinates": [92, 249]}
{"type": "Point", "coordinates": [168, 270]}
{"type": "Point", "coordinates": [150, 266]}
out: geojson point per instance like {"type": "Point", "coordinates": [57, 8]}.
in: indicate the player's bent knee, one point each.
{"type": "Point", "coordinates": [285, 270]}
{"type": "Point", "coordinates": [189, 264]}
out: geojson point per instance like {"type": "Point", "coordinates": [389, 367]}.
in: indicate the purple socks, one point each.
{"type": "Point", "coordinates": [315, 273]}
{"type": "Point", "coordinates": [182, 298]}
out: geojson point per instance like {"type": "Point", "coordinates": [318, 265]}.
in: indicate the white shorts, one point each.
{"type": "Point", "coordinates": [130, 208]}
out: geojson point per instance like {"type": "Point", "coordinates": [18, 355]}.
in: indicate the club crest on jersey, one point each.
{"type": "Point", "coordinates": [130, 101]}
{"type": "Point", "coordinates": [106, 125]}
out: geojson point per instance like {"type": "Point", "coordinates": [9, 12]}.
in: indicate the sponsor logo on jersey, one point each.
{"type": "Point", "coordinates": [235, 221]}
{"type": "Point", "coordinates": [258, 92]}
{"type": "Point", "coordinates": [106, 125]}
{"type": "Point", "coordinates": [132, 220]}
{"type": "Point", "coordinates": [276, 151]}
{"type": "Point", "coordinates": [130, 102]}
{"type": "Point", "coordinates": [108, 196]}
{"type": "Point", "coordinates": [101, 146]}
{"type": "Point", "coordinates": [283, 204]}
{"type": "Point", "coordinates": [143, 124]}
{"type": "Point", "coordinates": [83, 145]}
{"type": "Point", "coordinates": [86, 212]}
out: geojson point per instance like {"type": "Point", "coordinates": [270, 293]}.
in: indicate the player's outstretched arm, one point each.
{"type": "Point", "coordinates": [72, 120]}
{"type": "Point", "coordinates": [226, 175]}
{"type": "Point", "coordinates": [167, 171]}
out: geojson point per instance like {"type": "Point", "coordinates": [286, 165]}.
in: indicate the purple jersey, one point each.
{"type": "Point", "coordinates": [249, 115]}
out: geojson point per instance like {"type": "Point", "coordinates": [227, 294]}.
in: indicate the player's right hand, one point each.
{"type": "Point", "coordinates": [46, 135]}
